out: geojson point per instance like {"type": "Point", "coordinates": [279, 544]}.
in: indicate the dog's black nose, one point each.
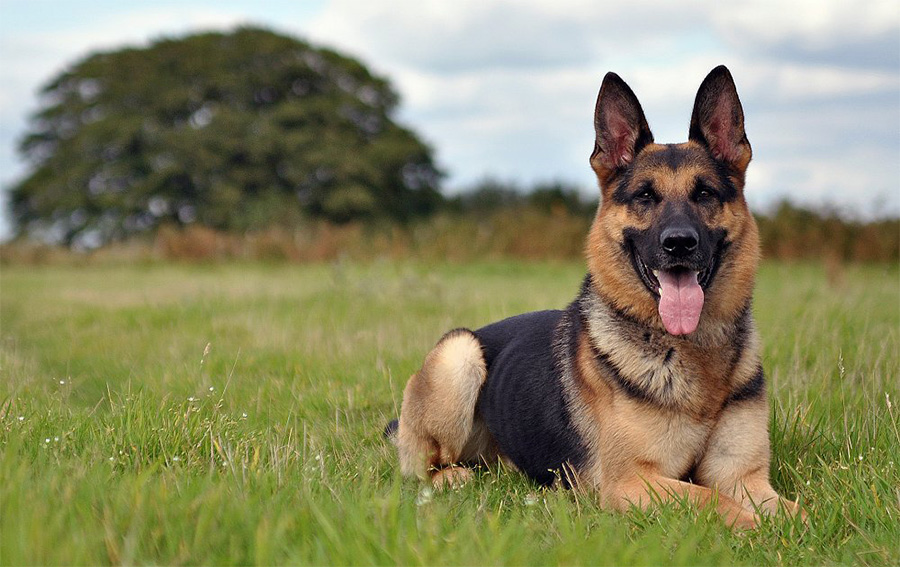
{"type": "Point", "coordinates": [679, 241]}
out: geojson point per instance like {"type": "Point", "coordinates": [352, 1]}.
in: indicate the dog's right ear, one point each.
{"type": "Point", "coordinates": [621, 128]}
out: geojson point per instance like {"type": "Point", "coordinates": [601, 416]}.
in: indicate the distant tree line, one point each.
{"type": "Point", "coordinates": [793, 232]}
{"type": "Point", "coordinates": [491, 195]}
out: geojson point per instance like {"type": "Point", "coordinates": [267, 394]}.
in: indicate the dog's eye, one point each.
{"type": "Point", "coordinates": [645, 195]}
{"type": "Point", "coordinates": [703, 193]}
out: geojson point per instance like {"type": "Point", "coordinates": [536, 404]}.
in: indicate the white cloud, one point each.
{"type": "Point", "coordinates": [814, 24]}
{"type": "Point", "coordinates": [446, 37]}
{"type": "Point", "coordinates": [843, 183]}
{"type": "Point", "coordinates": [785, 82]}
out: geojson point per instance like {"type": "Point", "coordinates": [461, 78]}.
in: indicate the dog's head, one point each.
{"type": "Point", "coordinates": [673, 243]}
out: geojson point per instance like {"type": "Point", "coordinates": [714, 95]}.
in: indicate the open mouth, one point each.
{"type": "Point", "coordinates": [679, 290]}
{"type": "Point", "coordinates": [650, 277]}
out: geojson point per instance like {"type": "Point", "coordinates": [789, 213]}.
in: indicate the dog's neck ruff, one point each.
{"type": "Point", "coordinates": [649, 363]}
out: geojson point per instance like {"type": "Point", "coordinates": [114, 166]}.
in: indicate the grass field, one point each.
{"type": "Point", "coordinates": [232, 414]}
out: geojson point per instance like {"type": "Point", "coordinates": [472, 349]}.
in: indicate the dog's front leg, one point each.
{"type": "Point", "coordinates": [736, 462]}
{"type": "Point", "coordinates": [646, 490]}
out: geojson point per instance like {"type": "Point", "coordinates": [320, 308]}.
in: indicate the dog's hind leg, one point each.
{"type": "Point", "coordinates": [438, 428]}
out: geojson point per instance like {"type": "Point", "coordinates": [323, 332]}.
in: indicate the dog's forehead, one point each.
{"type": "Point", "coordinates": [673, 156]}
{"type": "Point", "coordinates": [673, 167]}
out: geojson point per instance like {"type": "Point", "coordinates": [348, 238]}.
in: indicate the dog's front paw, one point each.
{"type": "Point", "coordinates": [745, 521]}
{"type": "Point", "coordinates": [451, 477]}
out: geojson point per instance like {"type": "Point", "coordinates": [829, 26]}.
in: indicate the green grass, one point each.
{"type": "Point", "coordinates": [124, 438]}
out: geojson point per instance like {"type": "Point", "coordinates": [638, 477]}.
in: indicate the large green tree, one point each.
{"type": "Point", "coordinates": [232, 130]}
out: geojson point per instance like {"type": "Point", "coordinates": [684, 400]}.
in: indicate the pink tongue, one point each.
{"type": "Point", "coordinates": [680, 301]}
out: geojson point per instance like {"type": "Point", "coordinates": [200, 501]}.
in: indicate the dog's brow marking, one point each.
{"type": "Point", "coordinates": [673, 157]}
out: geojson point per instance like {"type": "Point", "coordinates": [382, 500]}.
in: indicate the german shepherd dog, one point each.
{"type": "Point", "coordinates": [648, 387]}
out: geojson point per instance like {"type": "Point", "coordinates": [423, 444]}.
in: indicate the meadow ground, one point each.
{"type": "Point", "coordinates": [232, 414]}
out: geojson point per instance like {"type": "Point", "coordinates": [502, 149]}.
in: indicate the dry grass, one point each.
{"type": "Point", "coordinates": [515, 232]}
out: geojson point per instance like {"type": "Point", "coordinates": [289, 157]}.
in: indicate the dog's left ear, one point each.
{"type": "Point", "coordinates": [718, 120]}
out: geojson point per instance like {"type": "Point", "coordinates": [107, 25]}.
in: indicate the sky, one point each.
{"type": "Point", "coordinates": [506, 89]}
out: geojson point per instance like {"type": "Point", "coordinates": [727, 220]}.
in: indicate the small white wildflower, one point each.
{"type": "Point", "coordinates": [212, 388]}
{"type": "Point", "coordinates": [47, 440]}
{"type": "Point", "coordinates": [424, 496]}
{"type": "Point", "coordinates": [176, 458]}
{"type": "Point", "coordinates": [56, 439]}
{"type": "Point", "coordinates": [62, 382]}
{"type": "Point", "coordinates": [807, 483]}
{"type": "Point", "coordinates": [224, 463]}
{"type": "Point", "coordinates": [860, 457]}
{"type": "Point", "coordinates": [318, 457]}
{"type": "Point", "coordinates": [21, 418]}
{"type": "Point", "coordinates": [191, 399]}
{"type": "Point", "coordinates": [244, 415]}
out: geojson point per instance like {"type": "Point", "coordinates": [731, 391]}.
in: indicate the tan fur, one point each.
{"type": "Point", "coordinates": [437, 418]}
{"type": "Point", "coordinates": [645, 490]}
{"type": "Point", "coordinates": [641, 451]}
{"type": "Point", "coordinates": [451, 476]}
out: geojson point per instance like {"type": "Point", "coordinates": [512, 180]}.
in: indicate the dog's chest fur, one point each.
{"type": "Point", "coordinates": [652, 367]}
{"type": "Point", "coordinates": [666, 442]}
{"type": "Point", "coordinates": [647, 399]}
